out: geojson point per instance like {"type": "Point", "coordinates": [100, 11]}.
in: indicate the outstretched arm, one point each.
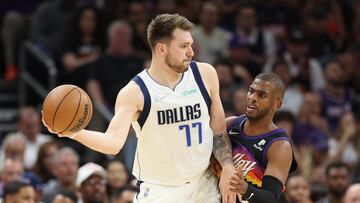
{"type": "Point", "coordinates": [126, 108]}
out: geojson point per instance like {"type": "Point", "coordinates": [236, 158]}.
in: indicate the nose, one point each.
{"type": "Point", "coordinates": [190, 52]}
{"type": "Point", "coordinates": [251, 97]}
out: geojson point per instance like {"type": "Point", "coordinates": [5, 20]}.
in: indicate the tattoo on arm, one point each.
{"type": "Point", "coordinates": [222, 148]}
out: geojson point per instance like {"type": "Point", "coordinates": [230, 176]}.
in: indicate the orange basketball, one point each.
{"type": "Point", "coordinates": [67, 109]}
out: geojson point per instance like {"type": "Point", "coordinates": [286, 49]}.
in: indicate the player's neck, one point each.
{"type": "Point", "coordinates": [164, 75]}
{"type": "Point", "coordinates": [259, 127]}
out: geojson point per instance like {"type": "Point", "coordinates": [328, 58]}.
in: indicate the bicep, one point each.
{"type": "Point", "coordinates": [279, 157]}
{"type": "Point", "coordinates": [217, 114]}
{"type": "Point", "coordinates": [126, 108]}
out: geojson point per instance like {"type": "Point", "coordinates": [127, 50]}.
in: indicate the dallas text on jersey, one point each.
{"type": "Point", "coordinates": [180, 114]}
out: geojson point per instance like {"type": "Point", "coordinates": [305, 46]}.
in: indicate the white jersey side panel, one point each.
{"type": "Point", "coordinates": [175, 142]}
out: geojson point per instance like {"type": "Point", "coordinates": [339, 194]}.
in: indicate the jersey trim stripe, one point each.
{"type": "Point", "coordinates": [147, 100]}
{"type": "Point", "coordinates": [200, 83]}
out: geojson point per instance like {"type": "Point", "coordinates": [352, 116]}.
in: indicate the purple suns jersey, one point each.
{"type": "Point", "coordinates": [249, 152]}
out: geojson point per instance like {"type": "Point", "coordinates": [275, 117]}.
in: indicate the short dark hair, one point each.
{"type": "Point", "coordinates": [275, 80]}
{"type": "Point", "coordinates": [162, 27]}
{"type": "Point", "coordinates": [14, 187]}
{"type": "Point", "coordinates": [337, 165]}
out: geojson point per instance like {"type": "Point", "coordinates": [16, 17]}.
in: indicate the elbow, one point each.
{"type": "Point", "coordinates": [115, 149]}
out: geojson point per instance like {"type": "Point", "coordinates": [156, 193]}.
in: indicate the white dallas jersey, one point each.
{"type": "Point", "coordinates": [174, 135]}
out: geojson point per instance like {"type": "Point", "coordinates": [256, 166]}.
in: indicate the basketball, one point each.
{"type": "Point", "coordinates": [67, 109]}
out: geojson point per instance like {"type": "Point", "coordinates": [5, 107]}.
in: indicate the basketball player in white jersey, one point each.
{"type": "Point", "coordinates": [175, 109]}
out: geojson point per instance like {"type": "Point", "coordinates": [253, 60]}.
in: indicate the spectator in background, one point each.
{"type": "Point", "coordinates": [293, 97]}
{"type": "Point", "coordinates": [65, 164]}
{"type": "Point", "coordinates": [352, 194]}
{"type": "Point", "coordinates": [335, 98]}
{"type": "Point", "coordinates": [127, 195]}
{"type": "Point", "coordinates": [19, 192]}
{"type": "Point", "coordinates": [43, 166]}
{"type": "Point", "coordinates": [115, 68]}
{"type": "Point", "coordinates": [48, 24]}
{"type": "Point", "coordinates": [138, 18]}
{"type": "Point", "coordinates": [29, 126]}
{"type": "Point", "coordinates": [13, 147]}
{"type": "Point", "coordinates": [81, 45]}
{"type": "Point", "coordinates": [12, 34]}
{"type": "Point", "coordinates": [311, 124]}
{"type": "Point", "coordinates": [261, 44]}
{"type": "Point", "coordinates": [239, 100]}
{"type": "Point", "coordinates": [11, 170]}
{"type": "Point", "coordinates": [297, 189]}
{"type": "Point", "coordinates": [344, 142]}
{"type": "Point", "coordinates": [306, 71]}
{"type": "Point", "coordinates": [338, 180]}
{"type": "Point", "coordinates": [211, 41]}
{"type": "Point", "coordinates": [355, 96]}
{"type": "Point", "coordinates": [91, 181]}
{"type": "Point", "coordinates": [226, 80]}
{"type": "Point", "coordinates": [329, 17]}
{"type": "Point", "coordinates": [117, 177]}
{"type": "Point", "coordinates": [321, 43]}
{"type": "Point", "coordinates": [244, 67]}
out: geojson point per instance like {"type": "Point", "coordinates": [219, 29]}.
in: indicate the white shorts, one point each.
{"type": "Point", "coordinates": [202, 190]}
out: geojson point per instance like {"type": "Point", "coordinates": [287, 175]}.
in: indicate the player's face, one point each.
{"type": "Point", "coordinates": [297, 190]}
{"type": "Point", "coordinates": [260, 99]}
{"type": "Point", "coordinates": [180, 52]}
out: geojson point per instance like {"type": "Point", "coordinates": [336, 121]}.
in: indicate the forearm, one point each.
{"type": "Point", "coordinates": [222, 149]}
{"type": "Point", "coordinates": [106, 143]}
{"type": "Point", "coordinates": [270, 191]}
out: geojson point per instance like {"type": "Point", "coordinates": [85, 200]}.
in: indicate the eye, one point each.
{"type": "Point", "coordinates": [251, 91]}
{"type": "Point", "coordinates": [262, 95]}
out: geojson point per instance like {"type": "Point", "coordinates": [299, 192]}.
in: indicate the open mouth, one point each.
{"type": "Point", "coordinates": [251, 108]}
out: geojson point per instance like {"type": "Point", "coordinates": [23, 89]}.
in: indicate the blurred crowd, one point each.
{"type": "Point", "coordinates": [99, 45]}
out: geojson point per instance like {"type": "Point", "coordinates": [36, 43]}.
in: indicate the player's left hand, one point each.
{"type": "Point", "coordinates": [238, 183]}
{"type": "Point", "coordinates": [227, 195]}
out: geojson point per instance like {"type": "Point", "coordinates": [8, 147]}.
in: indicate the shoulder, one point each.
{"type": "Point", "coordinates": [230, 120]}
{"type": "Point", "coordinates": [130, 95]}
{"type": "Point", "coordinates": [206, 70]}
{"type": "Point", "coordinates": [279, 148]}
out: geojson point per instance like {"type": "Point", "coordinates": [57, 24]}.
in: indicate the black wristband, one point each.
{"type": "Point", "coordinates": [270, 191]}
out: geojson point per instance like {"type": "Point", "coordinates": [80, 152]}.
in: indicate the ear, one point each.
{"type": "Point", "coordinates": [161, 48]}
{"type": "Point", "coordinates": [278, 103]}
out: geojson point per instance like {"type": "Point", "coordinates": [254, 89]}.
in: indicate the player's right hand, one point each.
{"type": "Point", "coordinates": [224, 184]}
{"type": "Point", "coordinates": [48, 128]}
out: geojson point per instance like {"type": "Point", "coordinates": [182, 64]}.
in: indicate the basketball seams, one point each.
{"type": "Point", "coordinates": [57, 108]}
{"type": "Point", "coordinates": [77, 110]}
{"type": "Point", "coordinates": [90, 109]}
{"type": "Point", "coordinates": [45, 104]}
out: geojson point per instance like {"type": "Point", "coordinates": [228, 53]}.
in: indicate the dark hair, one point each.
{"type": "Point", "coordinates": [39, 166]}
{"type": "Point", "coordinates": [162, 27]}
{"type": "Point", "coordinates": [14, 187]}
{"type": "Point", "coordinates": [74, 34]}
{"type": "Point", "coordinates": [275, 80]}
{"type": "Point", "coordinates": [337, 165]}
